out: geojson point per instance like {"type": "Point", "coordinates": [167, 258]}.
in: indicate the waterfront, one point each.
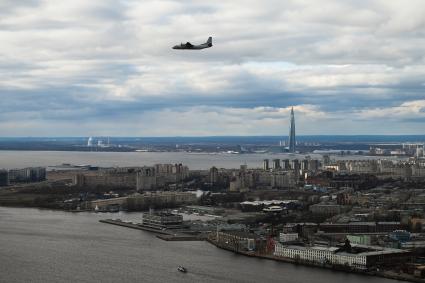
{"type": "Point", "coordinates": [18, 159]}
{"type": "Point", "coordinates": [54, 246]}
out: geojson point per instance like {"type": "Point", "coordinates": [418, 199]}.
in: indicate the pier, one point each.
{"type": "Point", "coordinates": [166, 234]}
{"type": "Point", "coordinates": [134, 226]}
{"type": "Point", "coordinates": [182, 237]}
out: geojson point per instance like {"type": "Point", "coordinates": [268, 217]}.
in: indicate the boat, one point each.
{"type": "Point", "coordinates": [182, 269]}
{"type": "Point", "coordinates": [274, 208]}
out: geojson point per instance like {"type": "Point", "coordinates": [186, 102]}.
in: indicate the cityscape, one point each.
{"type": "Point", "coordinates": [347, 210]}
{"type": "Point", "coordinates": [212, 141]}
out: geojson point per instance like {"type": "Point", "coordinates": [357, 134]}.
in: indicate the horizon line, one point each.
{"type": "Point", "coordinates": [223, 136]}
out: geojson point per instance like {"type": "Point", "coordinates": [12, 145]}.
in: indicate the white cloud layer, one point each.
{"type": "Point", "coordinates": [107, 67]}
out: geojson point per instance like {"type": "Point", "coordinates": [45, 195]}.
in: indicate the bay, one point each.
{"type": "Point", "coordinates": [54, 246]}
{"type": "Point", "coordinates": [18, 159]}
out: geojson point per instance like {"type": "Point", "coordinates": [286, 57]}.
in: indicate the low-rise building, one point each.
{"type": "Point", "coordinates": [360, 239]}
{"type": "Point", "coordinates": [282, 179]}
{"type": "Point", "coordinates": [328, 209]}
{"type": "Point", "coordinates": [145, 178]}
{"type": "Point", "coordinates": [30, 174]}
{"type": "Point", "coordinates": [4, 178]}
{"type": "Point", "coordinates": [160, 199]}
{"type": "Point", "coordinates": [147, 200]}
{"type": "Point", "coordinates": [360, 257]}
{"type": "Point", "coordinates": [360, 227]}
{"type": "Point", "coordinates": [288, 237]}
{"type": "Point", "coordinates": [113, 177]}
{"type": "Point", "coordinates": [163, 220]}
{"type": "Point", "coordinates": [237, 240]}
{"type": "Point", "coordinates": [400, 236]}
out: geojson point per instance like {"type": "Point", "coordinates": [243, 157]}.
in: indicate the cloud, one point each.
{"type": "Point", "coordinates": [91, 63]}
{"type": "Point", "coordinates": [412, 110]}
{"type": "Point", "coordinates": [215, 120]}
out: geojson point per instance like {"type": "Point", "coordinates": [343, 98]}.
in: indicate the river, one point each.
{"type": "Point", "coordinates": [18, 159]}
{"type": "Point", "coordinates": [53, 246]}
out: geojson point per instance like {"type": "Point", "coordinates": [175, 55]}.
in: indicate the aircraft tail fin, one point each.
{"type": "Point", "coordinates": [209, 41]}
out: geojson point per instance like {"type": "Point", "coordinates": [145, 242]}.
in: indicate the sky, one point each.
{"type": "Point", "coordinates": [106, 67]}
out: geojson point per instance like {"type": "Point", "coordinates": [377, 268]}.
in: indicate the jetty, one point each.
{"type": "Point", "coordinates": [163, 234]}
{"type": "Point", "coordinates": [137, 226]}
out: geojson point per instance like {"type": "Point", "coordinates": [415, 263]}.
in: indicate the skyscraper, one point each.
{"type": "Point", "coordinates": [292, 132]}
{"type": "Point", "coordinates": [266, 164]}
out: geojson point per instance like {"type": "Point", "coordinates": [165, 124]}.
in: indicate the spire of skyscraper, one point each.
{"type": "Point", "coordinates": [292, 132]}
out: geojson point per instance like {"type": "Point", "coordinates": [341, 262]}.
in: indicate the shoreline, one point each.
{"type": "Point", "coordinates": [398, 277]}
{"type": "Point", "coordinates": [169, 237]}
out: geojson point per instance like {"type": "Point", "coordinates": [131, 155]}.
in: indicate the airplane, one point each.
{"type": "Point", "coordinates": [190, 46]}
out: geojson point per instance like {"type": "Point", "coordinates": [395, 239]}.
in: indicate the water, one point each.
{"type": "Point", "coordinates": [51, 246]}
{"type": "Point", "coordinates": [19, 159]}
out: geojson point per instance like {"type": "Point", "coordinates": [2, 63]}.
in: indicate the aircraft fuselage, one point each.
{"type": "Point", "coordinates": [193, 47]}
{"type": "Point", "coordinates": [189, 46]}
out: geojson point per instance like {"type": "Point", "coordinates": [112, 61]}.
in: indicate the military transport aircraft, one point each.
{"type": "Point", "coordinates": [190, 46]}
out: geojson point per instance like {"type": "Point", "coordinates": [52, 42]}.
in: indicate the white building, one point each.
{"type": "Point", "coordinates": [369, 256]}
{"type": "Point", "coordinates": [321, 255]}
{"type": "Point", "coordinates": [288, 237]}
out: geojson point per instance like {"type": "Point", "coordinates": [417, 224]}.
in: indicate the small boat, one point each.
{"type": "Point", "coordinates": [182, 269]}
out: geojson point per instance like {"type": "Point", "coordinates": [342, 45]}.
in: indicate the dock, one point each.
{"type": "Point", "coordinates": [166, 235]}
{"type": "Point", "coordinates": [135, 226]}
{"type": "Point", "coordinates": [182, 237]}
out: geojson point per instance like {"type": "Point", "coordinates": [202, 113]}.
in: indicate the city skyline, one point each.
{"type": "Point", "coordinates": [106, 68]}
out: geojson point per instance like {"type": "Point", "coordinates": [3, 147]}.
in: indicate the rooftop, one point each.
{"type": "Point", "coordinates": [368, 250]}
